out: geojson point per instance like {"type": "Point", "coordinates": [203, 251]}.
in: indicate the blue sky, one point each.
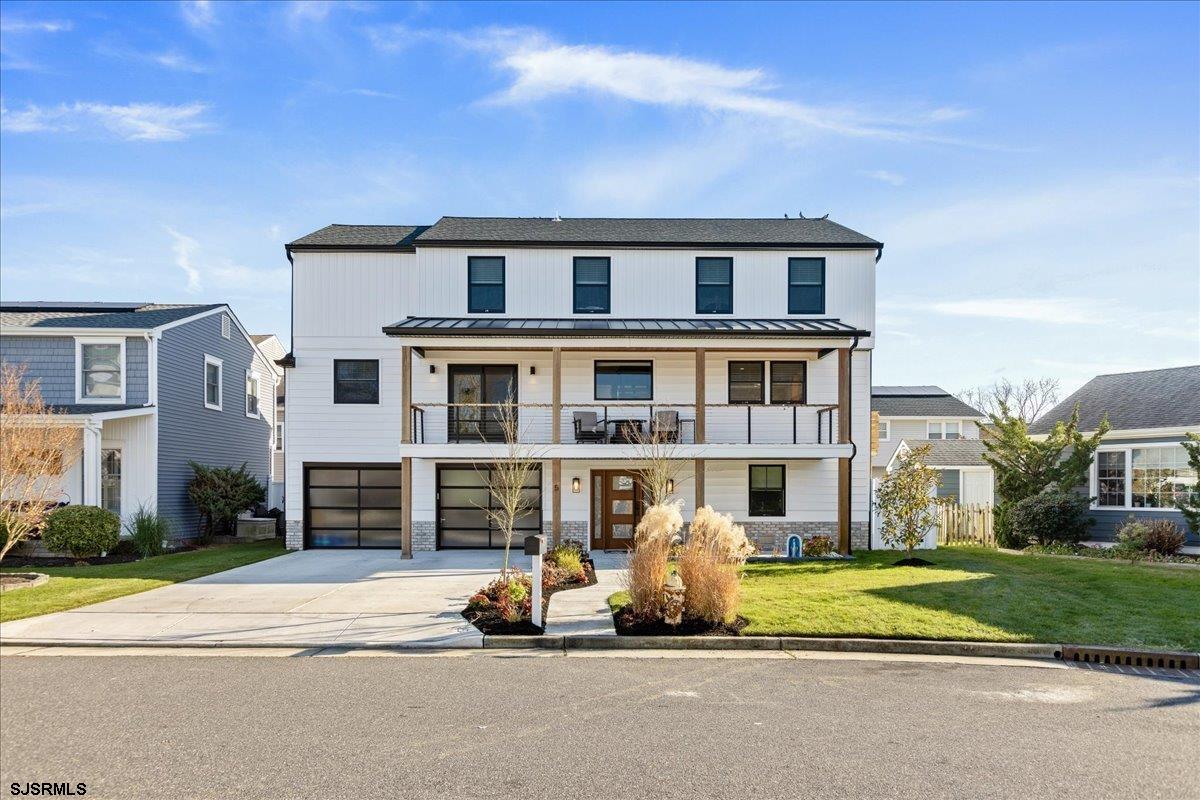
{"type": "Point", "coordinates": [1033, 169]}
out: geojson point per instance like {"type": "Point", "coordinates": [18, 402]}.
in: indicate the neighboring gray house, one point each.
{"type": "Point", "coordinates": [1140, 467]}
{"type": "Point", "coordinates": [274, 350]}
{"type": "Point", "coordinates": [151, 387]}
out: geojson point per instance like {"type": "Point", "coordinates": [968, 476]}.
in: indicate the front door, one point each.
{"type": "Point", "coordinates": [617, 506]}
{"type": "Point", "coordinates": [475, 392]}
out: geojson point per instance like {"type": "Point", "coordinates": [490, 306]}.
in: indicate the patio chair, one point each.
{"type": "Point", "coordinates": [589, 428]}
{"type": "Point", "coordinates": [665, 426]}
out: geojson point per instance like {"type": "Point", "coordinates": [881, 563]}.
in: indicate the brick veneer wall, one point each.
{"type": "Point", "coordinates": [771, 537]}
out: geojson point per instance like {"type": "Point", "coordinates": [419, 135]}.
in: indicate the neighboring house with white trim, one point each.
{"type": "Point", "coordinates": [745, 342]}
{"type": "Point", "coordinates": [151, 387]}
{"type": "Point", "coordinates": [1140, 466]}
{"type": "Point", "coordinates": [273, 349]}
{"type": "Point", "coordinates": [912, 416]}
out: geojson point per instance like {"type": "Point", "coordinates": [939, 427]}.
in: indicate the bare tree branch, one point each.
{"type": "Point", "coordinates": [507, 478]}
{"type": "Point", "coordinates": [1027, 400]}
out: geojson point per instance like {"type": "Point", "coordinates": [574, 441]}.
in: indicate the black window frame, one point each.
{"type": "Point", "coordinates": [762, 383]}
{"type": "Point", "coordinates": [649, 363]}
{"type": "Point", "coordinates": [607, 285]}
{"type": "Point", "coordinates": [803, 383]}
{"type": "Point", "coordinates": [792, 306]}
{"type": "Point", "coordinates": [782, 490]}
{"type": "Point", "coordinates": [471, 284]}
{"type": "Point", "coordinates": [729, 259]}
{"type": "Point", "coordinates": [343, 402]}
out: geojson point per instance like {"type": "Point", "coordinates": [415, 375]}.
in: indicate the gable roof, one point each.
{"type": "Point", "coordinates": [1157, 398]}
{"type": "Point", "coordinates": [141, 316]}
{"type": "Point", "coordinates": [919, 401]}
{"type": "Point", "coordinates": [359, 236]}
{"type": "Point", "coordinates": [949, 452]}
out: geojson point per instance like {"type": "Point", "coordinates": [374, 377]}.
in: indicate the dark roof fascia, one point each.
{"type": "Point", "coordinates": [392, 330]}
{"type": "Point", "coordinates": [288, 360]}
{"type": "Point", "coordinates": [420, 241]}
{"type": "Point", "coordinates": [336, 248]}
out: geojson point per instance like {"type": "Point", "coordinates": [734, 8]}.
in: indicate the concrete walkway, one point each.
{"type": "Point", "coordinates": [586, 611]}
{"type": "Point", "coordinates": [311, 598]}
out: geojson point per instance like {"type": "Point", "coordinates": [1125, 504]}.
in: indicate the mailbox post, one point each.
{"type": "Point", "coordinates": [536, 546]}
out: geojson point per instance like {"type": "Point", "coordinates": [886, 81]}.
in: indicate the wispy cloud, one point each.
{"type": "Point", "coordinates": [884, 176]}
{"type": "Point", "coordinates": [221, 273]}
{"type": "Point", "coordinates": [170, 59]}
{"type": "Point", "coordinates": [373, 93]}
{"type": "Point", "coordinates": [1029, 63]}
{"type": "Point", "coordinates": [1059, 311]}
{"type": "Point", "coordinates": [198, 14]}
{"type": "Point", "coordinates": [185, 248]}
{"type": "Point", "coordinates": [19, 25]}
{"type": "Point", "coordinates": [151, 122]}
{"type": "Point", "coordinates": [301, 14]}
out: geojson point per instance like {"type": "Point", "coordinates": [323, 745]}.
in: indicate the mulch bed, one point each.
{"type": "Point", "coordinates": [490, 623]}
{"type": "Point", "coordinates": [630, 625]}
{"type": "Point", "coordinates": [21, 580]}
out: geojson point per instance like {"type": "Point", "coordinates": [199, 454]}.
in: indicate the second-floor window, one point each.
{"type": "Point", "coordinates": [885, 430]}
{"type": "Point", "coordinates": [485, 284]}
{"type": "Point", "coordinates": [788, 381]}
{"type": "Point", "coordinates": [624, 380]}
{"type": "Point", "coordinates": [806, 286]}
{"type": "Point", "coordinates": [356, 381]}
{"type": "Point", "coordinates": [101, 376]}
{"type": "Point", "coordinates": [592, 287]}
{"type": "Point", "coordinates": [945, 430]}
{"type": "Point", "coordinates": [714, 285]}
{"type": "Point", "coordinates": [746, 382]}
{"type": "Point", "coordinates": [212, 383]}
{"type": "Point", "coordinates": [251, 394]}
{"type": "Point", "coordinates": [279, 436]}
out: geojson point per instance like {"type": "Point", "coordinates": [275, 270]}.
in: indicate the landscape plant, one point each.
{"type": "Point", "coordinates": [1025, 466]}
{"type": "Point", "coordinates": [82, 531]}
{"type": "Point", "coordinates": [1189, 504]}
{"type": "Point", "coordinates": [817, 547]}
{"type": "Point", "coordinates": [1052, 516]}
{"type": "Point", "coordinates": [148, 530]}
{"type": "Point", "coordinates": [907, 508]}
{"type": "Point", "coordinates": [655, 534]}
{"type": "Point", "coordinates": [220, 494]}
{"type": "Point", "coordinates": [507, 479]}
{"type": "Point", "coordinates": [1159, 536]}
{"type": "Point", "coordinates": [35, 448]}
{"type": "Point", "coordinates": [708, 564]}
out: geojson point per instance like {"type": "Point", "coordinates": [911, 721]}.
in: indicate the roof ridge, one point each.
{"type": "Point", "coordinates": [1143, 371]}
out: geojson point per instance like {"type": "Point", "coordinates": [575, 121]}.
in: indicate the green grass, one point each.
{"type": "Point", "coordinates": [72, 587]}
{"type": "Point", "coordinates": [978, 595]}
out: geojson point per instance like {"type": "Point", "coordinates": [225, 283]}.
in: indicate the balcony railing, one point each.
{"type": "Point", "coordinates": [627, 423]}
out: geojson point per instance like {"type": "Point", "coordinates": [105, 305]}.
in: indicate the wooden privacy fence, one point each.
{"type": "Point", "coordinates": [972, 524]}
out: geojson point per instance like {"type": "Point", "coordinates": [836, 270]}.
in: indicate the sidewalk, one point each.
{"type": "Point", "coordinates": [585, 612]}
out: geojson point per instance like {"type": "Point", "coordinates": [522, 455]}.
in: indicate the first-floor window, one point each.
{"type": "Point", "coordinates": [950, 484]}
{"type": "Point", "coordinates": [212, 383]}
{"type": "Point", "coordinates": [251, 394]}
{"type": "Point", "coordinates": [1110, 478]}
{"type": "Point", "coordinates": [767, 490]}
{"type": "Point", "coordinates": [356, 381]}
{"type": "Point", "coordinates": [1161, 476]}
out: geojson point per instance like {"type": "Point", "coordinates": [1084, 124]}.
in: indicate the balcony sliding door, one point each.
{"type": "Point", "coordinates": [475, 392]}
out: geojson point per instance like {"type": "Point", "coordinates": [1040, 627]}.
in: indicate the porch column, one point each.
{"type": "Point", "coordinates": [698, 480]}
{"type": "Point", "coordinates": [406, 394]}
{"type": "Point", "coordinates": [406, 507]}
{"type": "Point", "coordinates": [556, 494]}
{"type": "Point", "coordinates": [556, 399]}
{"type": "Point", "coordinates": [699, 432]}
{"type": "Point", "coordinates": [90, 465]}
{"type": "Point", "coordinates": [844, 473]}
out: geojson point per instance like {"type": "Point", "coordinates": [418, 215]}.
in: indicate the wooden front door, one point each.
{"type": "Point", "coordinates": [617, 506]}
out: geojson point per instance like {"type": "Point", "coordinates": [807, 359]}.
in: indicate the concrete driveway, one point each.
{"type": "Point", "coordinates": [309, 598]}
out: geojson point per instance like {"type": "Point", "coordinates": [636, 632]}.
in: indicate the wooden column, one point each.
{"type": "Point", "coordinates": [698, 479]}
{"type": "Point", "coordinates": [844, 472]}
{"type": "Point", "coordinates": [406, 508]}
{"type": "Point", "coordinates": [556, 396]}
{"type": "Point", "coordinates": [700, 398]}
{"type": "Point", "coordinates": [556, 495]}
{"type": "Point", "coordinates": [406, 395]}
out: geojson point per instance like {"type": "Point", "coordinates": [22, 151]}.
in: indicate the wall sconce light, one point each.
{"type": "Point", "coordinates": [575, 485]}
{"type": "Point", "coordinates": [670, 486]}
{"type": "Point", "coordinates": [432, 369]}
{"type": "Point", "coordinates": [532, 369]}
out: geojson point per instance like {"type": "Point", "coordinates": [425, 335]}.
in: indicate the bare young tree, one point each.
{"type": "Point", "coordinates": [35, 449]}
{"type": "Point", "coordinates": [507, 478]}
{"type": "Point", "coordinates": [659, 466]}
{"type": "Point", "coordinates": [1026, 400]}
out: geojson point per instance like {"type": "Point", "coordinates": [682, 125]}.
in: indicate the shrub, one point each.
{"type": "Point", "coordinates": [708, 566]}
{"type": "Point", "coordinates": [220, 494]}
{"type": "Point", "coordinates": [478, 602]}
{"type": "Point", "coordinates": [552, 574]}
{"type": "Point", "coordinates": [148, 530]}
{"type": "Point", "coordinates": [1052, 516]}
{"type": "Point", "coordinates": [655, 533]}
{"type": "Point", "coordinates": [1161, 536]}
{"type": "Point", "coordinates": [568, 562]}
{"type": "Point", "coordinates": [82, 531]}
{"type": "Point", "coordinates": [817, 546]}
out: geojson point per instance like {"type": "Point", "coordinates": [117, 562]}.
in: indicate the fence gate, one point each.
{"type": "Point", "coordinates": [969, 524]}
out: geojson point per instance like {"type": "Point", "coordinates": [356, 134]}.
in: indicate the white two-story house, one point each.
{"type": "Point", "coordinates": [745, 343]}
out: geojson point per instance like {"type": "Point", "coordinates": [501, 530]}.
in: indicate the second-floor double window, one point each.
{"type": "Point", "coordinates": [485, 284]}
{"type": "Point", "coordinates": [945, 430]}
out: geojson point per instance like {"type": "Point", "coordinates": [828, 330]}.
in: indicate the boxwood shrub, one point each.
{"type": "Point", "coordinates": [82, 531]}
{"type": "Point", "coordinates": [1052, 516]}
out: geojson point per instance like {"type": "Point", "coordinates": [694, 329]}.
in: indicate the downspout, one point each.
{"type": "Point", "coordinates": [151, 368]}
{"type": "Point", "coordinates": [854, 447]}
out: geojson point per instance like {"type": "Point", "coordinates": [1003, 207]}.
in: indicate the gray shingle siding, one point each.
{"type": "Point", "coordinates": [51, 360]}
{"type": "Point", "coordinates": [1107, 522]}
{"type": "Point", "coordinates": [189, 431]}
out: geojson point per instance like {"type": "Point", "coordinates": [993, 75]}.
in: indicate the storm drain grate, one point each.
{"type": "Point", "coordinates": [1130, 658]}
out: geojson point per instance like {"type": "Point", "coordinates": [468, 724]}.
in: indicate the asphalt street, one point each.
{"type": "Point", "coordinates": [549, 726]}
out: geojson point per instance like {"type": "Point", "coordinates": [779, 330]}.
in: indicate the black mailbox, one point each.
{"type": "Point", "coordinates": [535, 545]}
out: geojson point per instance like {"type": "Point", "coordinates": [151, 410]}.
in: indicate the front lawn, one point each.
{"type": "Point", "coordinates": [71, 587]}
{"type": "Point", "coordinates": [976, 594]}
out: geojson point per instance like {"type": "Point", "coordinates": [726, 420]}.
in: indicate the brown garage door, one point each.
{"type": "Point", "coordinates": [352, 505]}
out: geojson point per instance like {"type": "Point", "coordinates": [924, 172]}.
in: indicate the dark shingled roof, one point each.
{"type": "Point", "coordinates": [919, 401]}
{"type": "Point", "coordinates": [951, 452]}
{"type": "Point", "coordinates": [645, 231]}
{"type": "Point", "coordinates": [1157, 398]}
{"type": "Point", "coordinates": [93, 408]}
{"type": "Point", "coordinates": [95, 315]}
{"type": "Point", "coordinates": [517, 326]}
{"type": "Point", "coordinates": [350, 236]}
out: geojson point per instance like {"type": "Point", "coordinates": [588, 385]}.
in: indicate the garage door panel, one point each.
{"type": "Point", "coordinates": [381, 477]}
{"type": "Point", "coordinates": [387, 537]}
{"type": "Point", "coordinates": [334, 538]}
{"type": "Point", "coordinates": [334, 518]}
{"type": "Point", "coordinates": [333, 477]}
{"type": "Point", "coordinates": [351, 507]}
{"type": "Point", "coordinates": [380, 498]}
{"type": "Point", "coordinates": [333, 498]}
{"type": "Point", "coordinates": [462, 499]}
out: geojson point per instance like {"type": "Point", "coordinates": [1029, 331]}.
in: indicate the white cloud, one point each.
{"type": "Point", "coordinates": [170, 59]}
{"type": "Point", "coordinates": [884, 176]}
{"type": "Point", "coordinates": [199, 14]}
{"type": "Point", "coordinates": [17, 25]}
{"type": "Point", "coordinates": [1060, 310]}
{"type": "Point", "coordinates": [221, 274]}
{"type": "Point", "coordinates": [133, 122]}
{"type": "Point", "coordinates": [185, 248]}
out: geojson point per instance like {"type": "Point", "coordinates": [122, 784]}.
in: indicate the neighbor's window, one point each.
{"type": "Point", "coordinates": [745, 382]}
{"type": "Point", "coordinates": [100, 364]}
{"type": "Point", "coordinates": [806, 286]}
{"type": "Point", "coordinates": [485, 284]}
{"type": "Point", "coordinates": [945, 430]}
{"type": "Point", "coordinates": [624, 380]}
{"type": "Point", "coordinates": [212, 383]}
{"type": "Point", "coordinates": [1110, 478]}
{"type": "Point", "coordinates": [1161, 476]}
{"type": "Point", "coordinates": [714, 285]}
{"type": "Point", "coordinates": [767, 490]}
{"type": "Point", "coordinates": [356, 381]}
{"type": "Point", "coordinates": [251, 394]}
{"type": "Point", "coordinates": [950, 484]}
{"type": "Point", "coordinates": [885, 430]}
{"type": "Point", "coordinates": [787, 381]}
{"type": "Point", "coordinates": [279, 436]}
{"type": "Point", "coordinates": [592, 287]}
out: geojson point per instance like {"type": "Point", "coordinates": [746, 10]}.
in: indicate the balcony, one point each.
{"type": "Point", "coordinates": [628, 423]}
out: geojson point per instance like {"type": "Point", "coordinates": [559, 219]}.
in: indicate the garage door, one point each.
{"type": "Point", "coordinates": [462, 498]}
{"type": "Point", "coordinates": [352, 506]}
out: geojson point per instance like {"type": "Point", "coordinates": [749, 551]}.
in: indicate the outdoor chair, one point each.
{"type": "Point", "coordinates": [665, 426]}
{"type": "Point", "coordinates": [589, 428]}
